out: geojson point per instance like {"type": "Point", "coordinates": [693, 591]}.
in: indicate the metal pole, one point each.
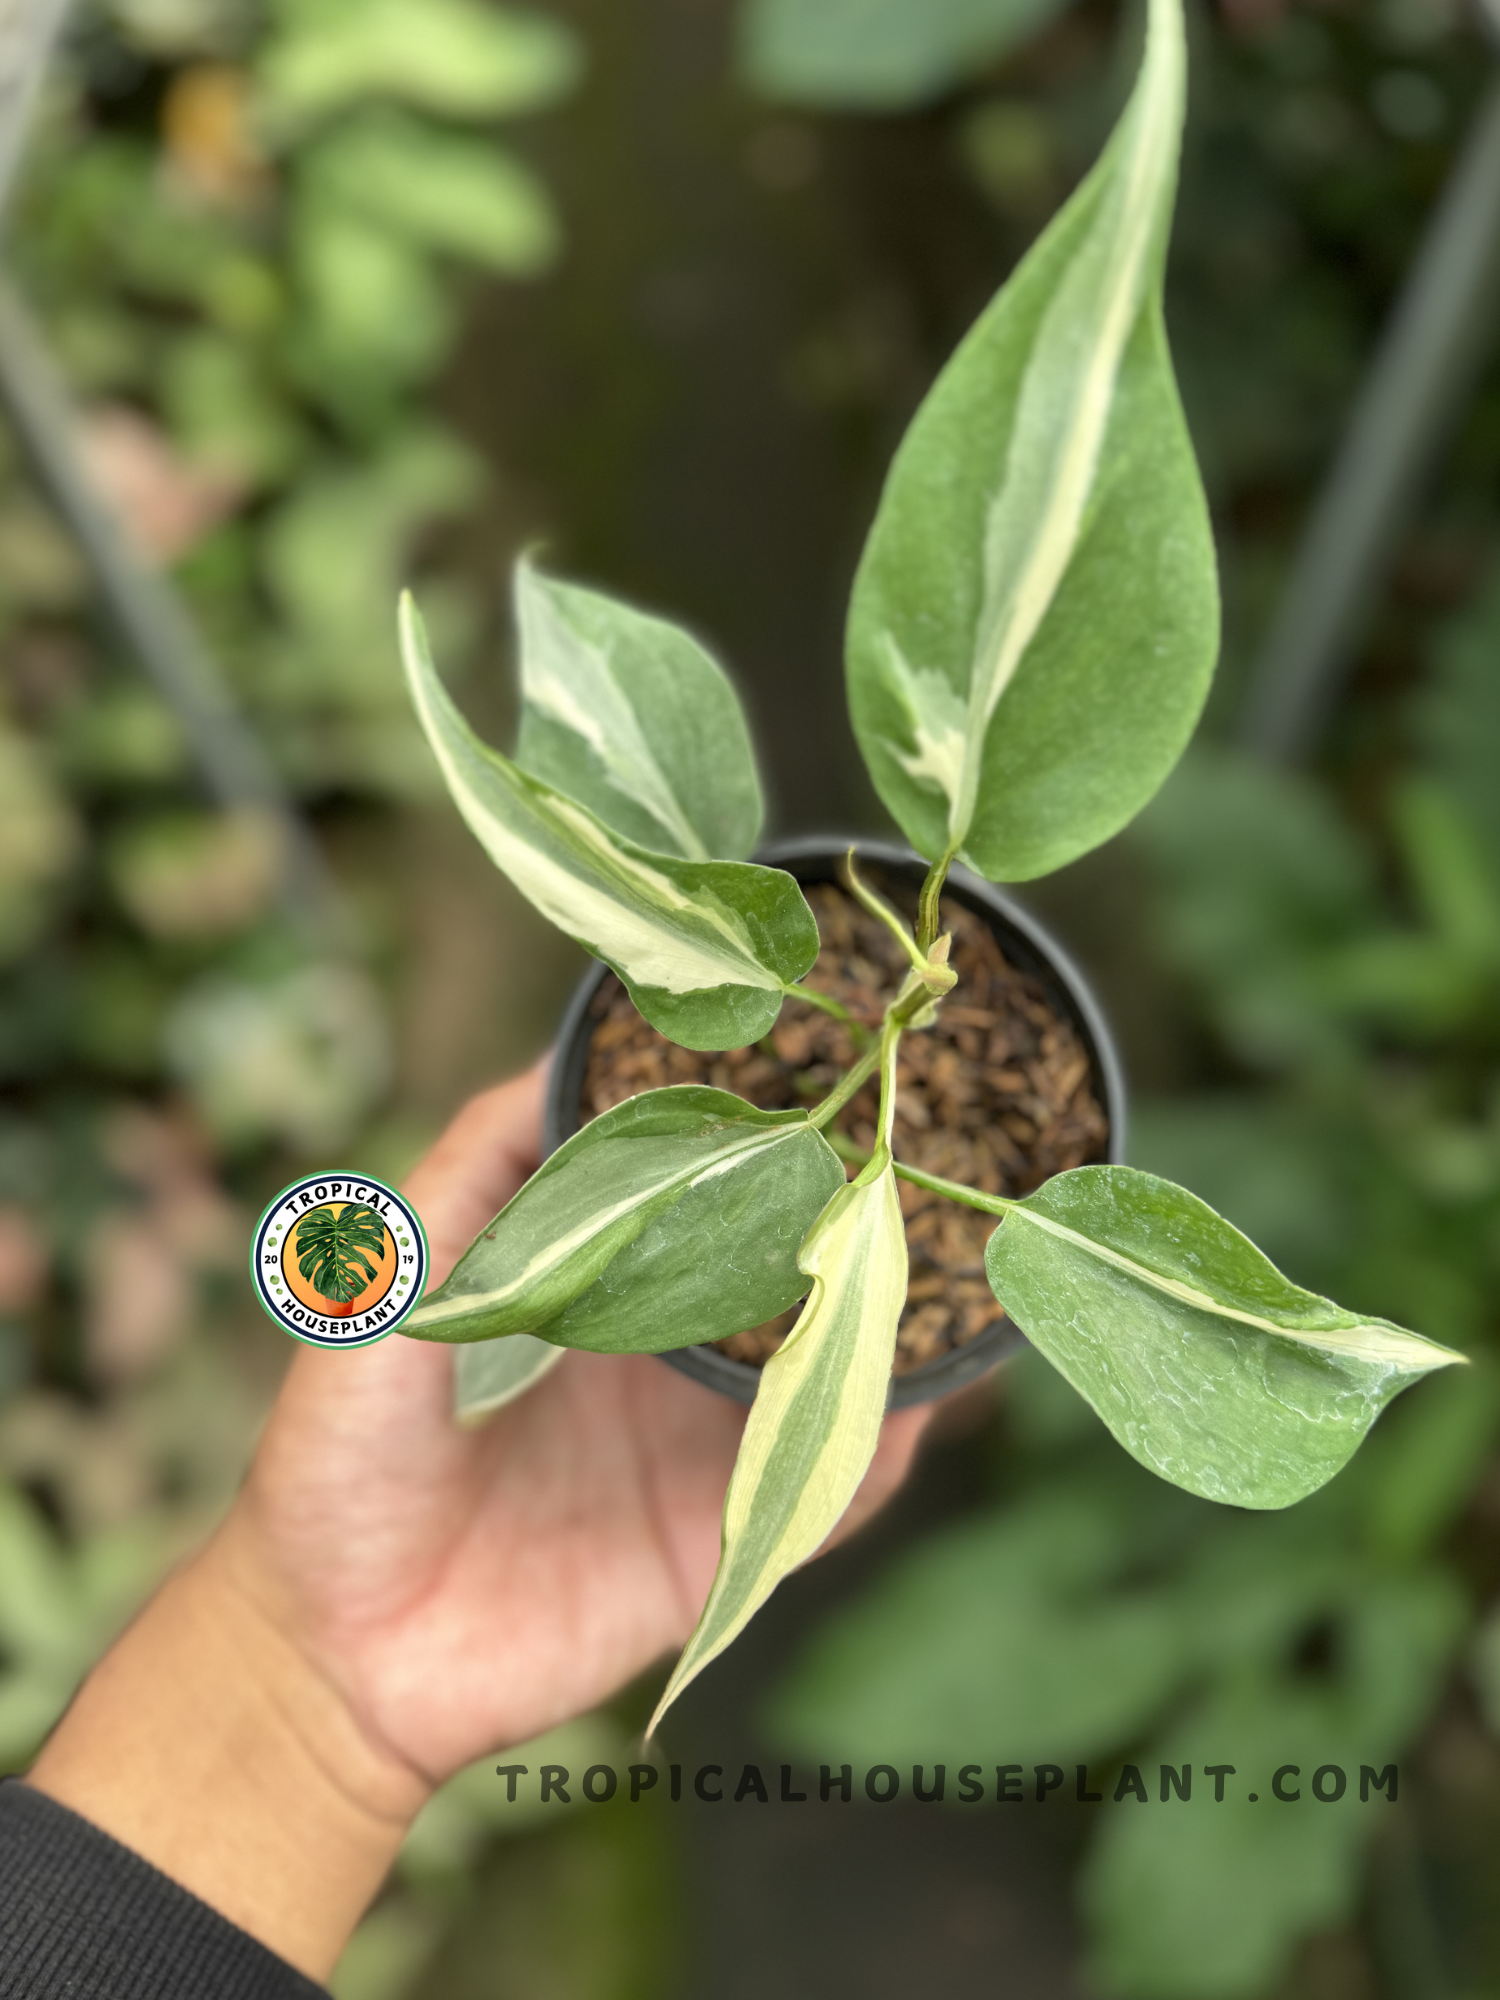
{"type": "Point", "coordinates": [142, 604]}
{"type": "Point", "coordinates": [28, 30]}
{"type": "Point", "coordinates": [1422, 374]}
{"type": "Point", "coordinates": [149, 616]}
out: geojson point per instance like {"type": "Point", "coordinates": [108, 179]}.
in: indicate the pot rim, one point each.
{"type": "Point", "coordinates": [1049, 961]}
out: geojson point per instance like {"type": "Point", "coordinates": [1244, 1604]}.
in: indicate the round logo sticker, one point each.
{"type": "Point", "coordinates": [339, 1260]}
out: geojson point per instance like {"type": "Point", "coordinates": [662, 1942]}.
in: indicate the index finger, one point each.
{"type": "Point", "coordinates": [491, 1147]}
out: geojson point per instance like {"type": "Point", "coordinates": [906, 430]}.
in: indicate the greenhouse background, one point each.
{"type": "Point", "coordinates": [308, 299]}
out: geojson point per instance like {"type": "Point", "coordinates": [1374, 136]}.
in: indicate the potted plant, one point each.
{"type": "Point", "coordinates": [1031, 636]}
{"type": "Point", "coordinates": [1013, 1082]}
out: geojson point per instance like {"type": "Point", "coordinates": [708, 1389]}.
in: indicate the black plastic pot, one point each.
{"type": "Point", "coordinates": [1025, 944]}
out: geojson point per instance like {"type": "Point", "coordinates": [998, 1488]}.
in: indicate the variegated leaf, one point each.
{"type": "Point", "coordinates": [628, 715]}
{"type": "Point", "coordinates": [1206, 1363]}
{"type": "Point", "coordinates": [708, 949]}
{"type": "Point", "coordinates": [488, 1374]}
{"type": "Point", "coordinates": [816, 1419]}
{"type": "Point", "coordinates": [672, 1219]}
{"type": "Point", "coordinates": [1035, 620]}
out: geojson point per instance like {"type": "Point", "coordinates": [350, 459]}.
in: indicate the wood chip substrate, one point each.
{"type": "Point", "coordinates": [997, 1095]}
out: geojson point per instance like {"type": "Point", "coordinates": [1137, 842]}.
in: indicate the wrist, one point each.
{"type": "Point", "coordinates": [209, 1742]}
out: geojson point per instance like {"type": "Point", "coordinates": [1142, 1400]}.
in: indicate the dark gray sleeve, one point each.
{"type": "Point", "coordinates": [83, 1918]}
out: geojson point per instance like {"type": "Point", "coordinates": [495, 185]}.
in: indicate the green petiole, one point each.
{"type": "Point", "coordinates": [847, 1086]}
{"type": "Point", "coordinates": [881, 910]}
{"type": "Point", "coordinates": [890, 1041]}
{"type": "Point", "coordinates": [929, 979]}
{"type": "Point", "coordinates": [992, 1204]}
{"type": "Point", "coordinates": [929, 918]}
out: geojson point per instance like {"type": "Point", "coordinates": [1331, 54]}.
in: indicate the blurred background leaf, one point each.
{"type": "Point", "coordinates": [878, 55]}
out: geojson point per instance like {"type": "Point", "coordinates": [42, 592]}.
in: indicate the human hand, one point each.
{"type": "Point", "coordinates": [391, 1596]}
{"type": "Point", "coordinates": [467, 1589]}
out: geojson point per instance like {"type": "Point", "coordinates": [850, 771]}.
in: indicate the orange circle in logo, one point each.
{"type": "Point", "coordinates": [301, 1288]}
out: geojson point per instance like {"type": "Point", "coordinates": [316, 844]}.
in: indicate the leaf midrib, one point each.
{"type": "Point", "coordinates": [653, 904]}
{"type": "Point", "coordinates": [648, 786]}
{"type": "Point", "coordinates": [1382, 1346]}
{"type": "Point", "coordinates": [1052, 545]}
{"type": "Point", "coordinates": [556, 1253]}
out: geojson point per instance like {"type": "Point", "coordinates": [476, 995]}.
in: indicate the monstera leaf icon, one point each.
{"type": "Point", "coordinates": [335, 1248]}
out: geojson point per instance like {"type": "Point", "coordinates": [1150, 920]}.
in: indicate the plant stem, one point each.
{"type": "Point", "coordinates": [847, 1086]}
{"type": "Point", "coordinates": [992, 1204]}
{"type": "Point", "coordinates": [890, 1042]}
{"type": "Point", "coordinates": [929, 979]}
{"type": "Point", "coordinates": [929, 920]}
{"type": "Point", "coordinates": [881, 910]}
{"type": "Point", "coordinates": [877, 1162]}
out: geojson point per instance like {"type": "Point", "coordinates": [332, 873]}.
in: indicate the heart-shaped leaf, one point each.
{"type": "Point", "coordinates": [1207, 1364]}
{"type": "Point", "coordinates": [628, 715]}
{"type": "Point", "coordinates": [708, 949]}
{"type": "Point", "coordinates": [815, 1421]}
{"type": "Point", "coordinates": [672, 1219]}
{"type": "Point", "coordinates": [1035, 620]}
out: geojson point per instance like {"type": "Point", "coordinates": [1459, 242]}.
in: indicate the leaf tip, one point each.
{"type": "Point", "coordinates": [658, 1713]}
{"type": "Point", "coordinates": [412, 631]}
{"type": "Point", "coordinates": [687, 1669]}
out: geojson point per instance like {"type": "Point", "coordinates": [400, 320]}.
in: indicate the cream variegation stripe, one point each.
{"type": "Point", "coordinates": [650, 883]}
{"type": "Point", "coordinates": [1064, 405]}
{"type": "Point", "coordinates": [937, 717]}
{"type": "Point", "coordinates": [596, 708]}
{"type": "Point", "coordinates": [488, 1374]}
{"type": "Point", "coordinates": [1382, 1345]}
{"type": "Point", "coordinates": [734, 1152]}
{"type": "Point", "coordinates": [816, 1419]}
{"type": "Point", "coordinates": [675, 943]}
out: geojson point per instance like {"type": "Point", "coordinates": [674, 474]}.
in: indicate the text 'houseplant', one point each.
{"type": "Point", "coordinates": [1031, 636]}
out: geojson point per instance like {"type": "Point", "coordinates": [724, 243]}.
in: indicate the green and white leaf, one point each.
{"type": "Point", "coordinates": [707, 948]}
{"type": "Point", "coordinates": [630, 716]}
{"type": "Point", "coordinates": [1035, 620]}
{"type": "Point", "coordinates": [815, 1422]}
{"type": "Point", "coordinates": [488, 1374]}
{"type": "Point", "coordinates": [672, 1219]}
{"type": "Point", "coordinates": [1207, 1364]}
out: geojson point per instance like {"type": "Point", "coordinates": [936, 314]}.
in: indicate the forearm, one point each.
{"type": "Point", "coordinates": [206, 1741]}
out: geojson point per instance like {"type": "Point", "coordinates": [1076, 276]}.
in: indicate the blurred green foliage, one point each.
{"type": "Point", "coordinates": [878, 55]}
{"type": "Point", "coordinates": [490, 1897]}
{"type": "Point", "coordinates": [250, 233]}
